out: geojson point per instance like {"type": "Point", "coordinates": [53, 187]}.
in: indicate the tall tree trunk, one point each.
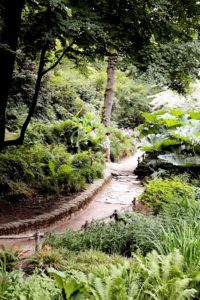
{"type": "Point", "coordinates": [40, 73]}
{"type": "Point", "coordinates": [109, 92]}
{"type": "Point", "coordinates": [11, 16]}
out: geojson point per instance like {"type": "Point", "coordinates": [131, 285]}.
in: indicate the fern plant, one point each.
{"type": "Point", "coordinates": [163, 277]}
{"type": "Point", "coordinates": [114, 282]}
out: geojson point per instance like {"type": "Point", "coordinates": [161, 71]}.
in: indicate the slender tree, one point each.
{"type": "Point", "coordinates": [43, 25]}
{"type": "Point", "coordinates": [109, 91]}
{"type": "Point", "coordinates": [160, 37]}
{"type": "Point", "coordinates": [10, 24]}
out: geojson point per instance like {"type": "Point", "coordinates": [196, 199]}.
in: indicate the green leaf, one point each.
{"type": "Point", "coordinates": [188, 133]}
{"type": "Point", "coordinates": [153, 116]}
{"type": "Point", "coordinates": [155, 142]}
{"type": "Point", "coordinates": [169, 120]}
{"type": "Point", "coordinates": [176, 112]}
{"type": "Point", "coordinates": [58, 276]}
{"type": "Point", "coordinates": [181, 160]}
{"type": "Point", "coordinates": [195, 115]}
{"type": "Point", "coordinates": [70, 286]}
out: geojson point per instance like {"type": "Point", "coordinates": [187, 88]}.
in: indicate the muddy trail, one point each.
{"type": "Point", "coordinates": [117, 195]}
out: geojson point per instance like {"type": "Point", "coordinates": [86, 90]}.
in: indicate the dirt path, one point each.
{"type": "Point", "coordinates": [117, 195]}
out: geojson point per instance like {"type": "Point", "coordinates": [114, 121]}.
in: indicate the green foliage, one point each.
{"type": "Point", "coordinates": [108, 282]}
{"type": "Point", "coordinates": [9, 256]}
{"type": "Point", "coordinates": [4, 278]}
{"type": "Point", "coordinates": [130, 101]}
{"type": "Point", "coordinates": [78, 93]}
{"type": "Point", "coordinates": [89, 260]}
{"type": "Point", "coordinates": [184, 56]}
{"type": "Point", "coordinates": [92, 171]}
{"type": "Point", "coordinates": [63, 94]}
{"type": "Point", "coordinates": [177, 159]}
{"type": "Point", "coordinates": [34, 287]}
{"type": "Point", "coordinates": [160, 192]}
{"type": "Point", "coordinates": [60, 156]}
{"type": "Point", "coordinates": [48, 169]}
{"type": "Point", "coordinates": [64, 259]}
{"type": "Point", "coordinates": [121, 145]}
{"type": "Point", "coordinates": [152, 277]}
{"type": "Point", "coordinates": [171, 138]}
{"type": "Point", "coordinates": [164, 277]}
{"type": "Point", "coordinates": [156, 276]}
{"type": "Point", "coordinates": [48, 257]}
{"type": "Point", "coordinates": [166, 274]}
{"type": "Point", "coordinates": [133, 232]}
{"type": "Point", "coordinates": [170, 272]}
{"type": "Point", "coordinates": [75, 133]}
{"type": "Point", "coordinates": [182, 234]}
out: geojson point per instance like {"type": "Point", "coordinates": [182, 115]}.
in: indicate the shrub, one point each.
{"type": "Point", "coordinates": [34, 287]}
{"type": "Point", "coordinates": [121, 145]}
{"type": "Point", "coordinates": [91, 172]}
{"type": "Point", "coordinates": [164, 277]}
{"type": "Point", "coordinates": [74, 134]}
{"type": "Point", "coordinates": [66, 260]}
{"type": "Point", "coordinates": [49, 169]}
{"type": "Point", "coordinates": [130, 101]}
{"type": "Point", "coordinates": [160, 192]}
{"type": "Point", "coordinates": [8, 257]}
{"type": "Point", "coordinates": [172, 137]}
{"type": "Point", "coordinates": [134, 232]}
{"type": "Point", "coordinates": [152, 277]}
{"type": "Point", "coordinates": [107, 282]}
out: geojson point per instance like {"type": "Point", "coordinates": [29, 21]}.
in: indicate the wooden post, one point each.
{"type": "Point", "coordinates": [37, 240]}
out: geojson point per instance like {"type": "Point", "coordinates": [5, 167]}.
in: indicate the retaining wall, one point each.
{"type": "Point", "coordinates": [67, 209]}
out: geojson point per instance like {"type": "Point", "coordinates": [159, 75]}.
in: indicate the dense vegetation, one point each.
{"type": "Point", "coordinates": [54, 55]}
{"type": "Point", "coordinates": [61, 156]}
{"type": "Point", "coordinates": [136, 257]}
{"type": "Point", "coordinates": [171, 142]}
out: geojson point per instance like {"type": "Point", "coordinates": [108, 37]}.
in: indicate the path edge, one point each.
{"type": "Point", "coordinates": [66, 210]}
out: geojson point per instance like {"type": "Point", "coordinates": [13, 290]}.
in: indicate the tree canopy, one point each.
{"type": "Point", "coordinates": [160, 37]}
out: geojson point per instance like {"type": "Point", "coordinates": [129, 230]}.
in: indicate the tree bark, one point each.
{"type": "Point", "coordinates": [109, 92]}
{"type": "Point", "coordinates": [35, 96]}
{"type": "Point", "coordinates": [11, 16]}
{"type": "Point", "coordinates": [40, 74]}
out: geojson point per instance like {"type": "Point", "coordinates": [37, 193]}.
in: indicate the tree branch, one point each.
{"type": "Point", "coordinates": [58, 60]}
{"type": "Point", "coordinates": [20, 139]}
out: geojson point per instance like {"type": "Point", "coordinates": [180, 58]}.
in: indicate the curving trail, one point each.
{"type": "Point", "coordinates": [118, 195]}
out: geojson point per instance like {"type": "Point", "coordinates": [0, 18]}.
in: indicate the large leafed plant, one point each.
{"type": "Point", "coordinates": [172, 137]}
